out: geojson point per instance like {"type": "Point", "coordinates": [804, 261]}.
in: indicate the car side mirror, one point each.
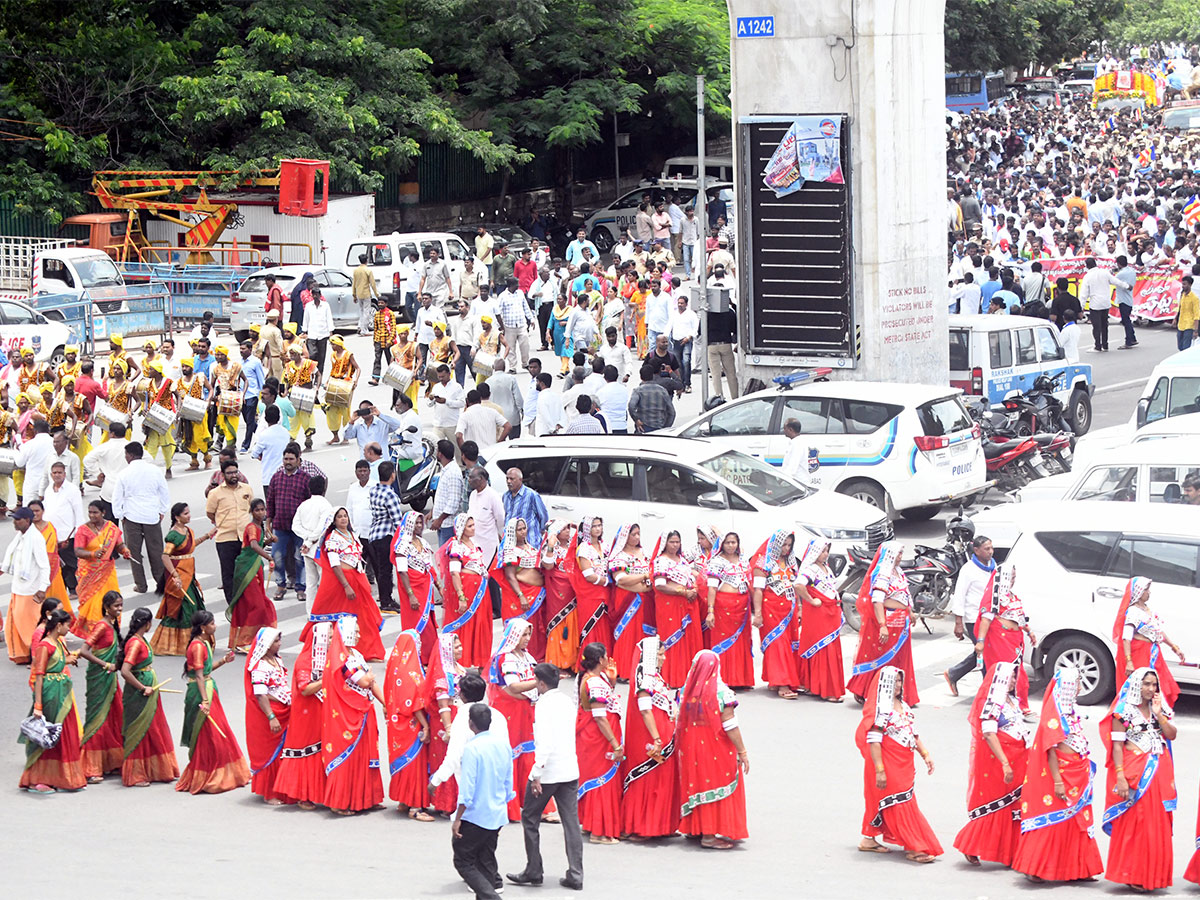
{"type": "Point", "coordinates": [411, 429]}
{"type": "Point", "coordinates": [1143, 411]}
{"type": "Point", "coordinates": [837, 564]}
{"type": "Point", "coordinates": [712, 500]}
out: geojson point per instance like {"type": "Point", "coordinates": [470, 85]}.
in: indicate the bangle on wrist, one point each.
{"type": "Point", "coordinates": [879, 768]}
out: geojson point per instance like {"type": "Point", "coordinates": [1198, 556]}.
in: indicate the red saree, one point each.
{"type": "Point", "coordinates": [562, 622]}
{"type": "Point", "coordinates": [403, 694]}
{"type": "Point", "coordinates": [215, 761]}
{"type": "Point", "coordinates": [650, 801]}
{"type": "Point", "coordinates": [628, 621]}
{"type": "Point", "coordinates": [472, 622]}
{"type": "Point", "coordinates": [517, 711]}
{"type": "Point", "coordinates": [871, 655]}
{"type": "Point", "coordinates": [534, 596]}
{"type": "Point", "coordinates": [599, 786]}
{"type": "Point", "coordinates": [675, 617]}
{"type": "Point", "coordinates": [1146, 652]}
{"type": "Point", "coordinates": [441, 682]}
{"type": "Point", "coordinates": [250, 609]}
{"type": "Point", "coordinates": [819, 647]}
{"type": "Point", "coordinates": [592, 602]}
{"type": "Point", "coordinates": [1193, 870]}
{"type": "Point", "coordinates": [264, 747]}
{"type": "Point", "coordinates": [331, 603]}
{"type": "Point", "coordinates": [731, 638]}
{"type": "Point", "coordinates": [410, 558]}
{"type": "Point", "coordinates": [301, 775]}
{"type": "Point", "coordinates": [349, 733]}
{"type": "Point", "coordinates": [60, 766]}
{"type": "Point", "coordinates": [149, 748]}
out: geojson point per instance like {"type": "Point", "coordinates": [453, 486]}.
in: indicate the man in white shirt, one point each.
{"type": "Point", "coordinates": [269, 445]}
{"type": "Point", "coordinates": [683, 327]}
{"type": "Point", "coordinates": [411, 275]}
{"type": "Point", "coordinates": [480, 424]}
{"type": "Point", "coordinates": [140, 503]}
{"type": "Point", "coordinates": [796, 459]}
{"type": "Point", "coordinates": [34, 456]}
{"type": "Point", "coordinates": [593, 382]}
{"type": "Point", "coordinates": [62, 507]}
{"type": "Point", "coordinates": [676, 215]}
{"type": "Point", "coordinates": [449, 400]}
{"type": "Point", "coordinates": [487, 509]}
{"type": "Point", "coordinates": [65, 455]}
{"type": "Point", "coordinates": [658, 312]}
{"type": "Point", "coordinates": [613, 399]}
{"type": "Point", "coordinates": [26, 561]}
{"type": "Point", "coordinates": [624, 247]}
{"type": "Point", "coordinates": [550, 418]}
{"type": "Point", "coordinates": [407, 447]}
{"type": "Point", "coordinates": [309, 523]}
{"type": "Point", "coordinates": [571, 393]}
{"type": "Point", "coordinates": [358, 503]}
{"type": "Point", "coordinates": [471, 689]}
{"type": "Point", "coordinates": [973, 578]}
{"type": "Point", "coordinates": [103, 464]}
{"type": "Point", "coordinates": [1095, 295]}
{"type": "Point", "coordinates": [615, 353]}
{"type": "Point", "coordinates": [554, 776]}
{"type": "Point", "coordinates": [506, 394]}
{"type": "Point", "coordinates": [427, 315]}
{"type": "Point", "coordinates": [1068, 336]}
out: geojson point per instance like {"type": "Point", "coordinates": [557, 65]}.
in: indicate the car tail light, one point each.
{"type": "Point", "coordinates": [395, 282]}
{"type": "Point", "coordinates": [235, 297]}
{"type": "Point", "coordinates": [925, 442]}
{"type": "Point", "coordinates": [977, 380]}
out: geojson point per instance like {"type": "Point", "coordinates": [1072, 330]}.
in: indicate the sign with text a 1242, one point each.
{"type": "Point", "coordinates": [755, 26]}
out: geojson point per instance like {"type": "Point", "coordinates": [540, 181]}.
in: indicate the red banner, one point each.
{"type": "Point", "coordinates": [1155, 295]}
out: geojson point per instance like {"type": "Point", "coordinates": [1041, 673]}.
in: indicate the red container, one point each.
{"type": "Point", "coordinates": [304, 187]}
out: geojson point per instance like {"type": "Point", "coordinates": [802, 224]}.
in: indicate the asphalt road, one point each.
{"type": "Point", "coordinates": [804, 789]}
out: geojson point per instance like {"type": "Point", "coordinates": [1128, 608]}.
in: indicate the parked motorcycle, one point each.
{"type": "Point", "coordinates": [1055, 447]}
{"type": "Point", "coordinates": [1038, 410]}
{"type": "Point", "coordinates": [417, 485]}
{"type": "Point", "coordinates": [1011, 464]}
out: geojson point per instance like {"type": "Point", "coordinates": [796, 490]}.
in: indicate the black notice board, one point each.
{"type": "Point", "coordinates": [795, 253]}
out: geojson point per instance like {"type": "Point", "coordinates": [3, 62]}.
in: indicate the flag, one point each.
{"type": "Point", "coordinates": [1112, 124]}
{"type": "Point", "coordinates": [1191, 212]}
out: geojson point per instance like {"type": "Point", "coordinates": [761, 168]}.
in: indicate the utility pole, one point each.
{"type": "Point", "coordinates": [616, 157]}
{"type": "Point", "coordinates": [701, 218]}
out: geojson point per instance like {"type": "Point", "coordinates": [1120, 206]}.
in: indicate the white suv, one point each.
{"type": "Point", "coordinates": [1073, 561]}
{"type": "Point", "coordinates": [666, 484]}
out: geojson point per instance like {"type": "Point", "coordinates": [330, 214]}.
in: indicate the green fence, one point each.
{"type": "Point", "coordinates": [13, 224]}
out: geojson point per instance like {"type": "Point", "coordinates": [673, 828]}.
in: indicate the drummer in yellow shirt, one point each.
{"type": "Point", "coordinates": [489, 341]}
{"type": "Point", "coordinates": [301, 373]}
{"type": "Point", "coordinates": [337, 400]}
{"type": "Point", "coordinates": [228, 383]}
{"type": "Point", "coordinates": [158, 391]}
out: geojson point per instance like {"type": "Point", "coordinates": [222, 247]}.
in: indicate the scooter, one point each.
{"type": "Point", "coordinates": [417, 486]}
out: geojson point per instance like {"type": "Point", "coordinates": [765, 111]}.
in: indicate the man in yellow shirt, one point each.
{"type": "Point", "coordinates": [364, 289]}
{"type": "Point", "coordinates": [1187, 320]}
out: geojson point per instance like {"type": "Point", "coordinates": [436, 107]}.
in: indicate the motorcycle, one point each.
{"type": "Point", "coordinates": [417, 485]}
{"type": "Point", "coordinates": [1038, 410]}
{"type": "Point", "coordinates": [1055, 447]}
{"type": "Point", "coordinates": [1011, 464]}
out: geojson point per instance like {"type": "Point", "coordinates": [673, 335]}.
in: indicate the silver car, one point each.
{"type": "Point", "coordinates": [248, 303]}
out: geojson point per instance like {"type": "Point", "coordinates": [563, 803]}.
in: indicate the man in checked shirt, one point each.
{"type": "Point", "coordinates": [386, 513]}
{"type": "Point", "coordinates": [516, 318]}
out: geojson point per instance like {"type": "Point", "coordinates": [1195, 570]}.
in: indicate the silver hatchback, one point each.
{"type": "Point", "coordinates": [248, 303]}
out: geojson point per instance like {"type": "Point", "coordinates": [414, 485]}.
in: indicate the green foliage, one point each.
{"type": "Point", "coordinates": [1147, 21]}
{"type": "Point", "coordinates": [982, 35]}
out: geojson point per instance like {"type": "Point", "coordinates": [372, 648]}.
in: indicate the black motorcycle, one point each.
{"type": "Point", "coordinates": [1038, 411]}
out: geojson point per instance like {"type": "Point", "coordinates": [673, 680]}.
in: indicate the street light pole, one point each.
{"type": "Point", "coordinates": [616, 157]}
{"type": "Point", "coordinates": [701, 219]}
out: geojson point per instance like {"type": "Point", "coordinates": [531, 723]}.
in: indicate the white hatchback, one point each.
{"type": "Point", "coordinates": [903, 447]}
{"type": "Point", "coordinates": [1073, 561]}
{"type": "Point", "coordinates": [666, 484]}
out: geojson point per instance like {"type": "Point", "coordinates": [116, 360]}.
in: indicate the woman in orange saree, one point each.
{"type": "Point", "coordinates": [97, 543]}
{"type": "Point", "coordinates": [58, 588]}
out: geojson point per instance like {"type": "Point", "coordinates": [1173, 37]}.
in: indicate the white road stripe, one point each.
{"type": "Point", "coordinates": [1120, 385]}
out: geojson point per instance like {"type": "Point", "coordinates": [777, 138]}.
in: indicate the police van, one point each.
{"type": "Point", "coordinates": [1000, 356]}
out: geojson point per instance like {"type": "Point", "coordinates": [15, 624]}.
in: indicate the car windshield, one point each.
{"type": "Point", "coordinates": [1188, 117]}
{"type": "Point", "coordinates": [97, 271]}
{"type": "Point", "coordinates": [756, 478]}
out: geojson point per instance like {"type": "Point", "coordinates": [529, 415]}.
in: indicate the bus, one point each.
{"type": "Point", "coordinates": [966, 91]}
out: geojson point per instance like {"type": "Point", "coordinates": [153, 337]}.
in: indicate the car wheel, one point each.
{"type": "Point", "coordinates": [866, 491]}
{"type": "Point", "coordinates": [1081, 412]}
{"type": "Point", "coordinates": [603, 239]}
{"type": "Point", "coordinates": [1094, 662]}
{"type": "Point", "coordinates": [921, 513]}
{"type": "Point", "coordinates": [850, 610]}
{"type": "Point", "coordinates": [242, 336]}
{"type": "Point", "coordinates": [57, 358]}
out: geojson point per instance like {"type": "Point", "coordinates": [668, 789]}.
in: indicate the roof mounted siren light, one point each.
{"type": "Point", "coordinates": [801, 376]}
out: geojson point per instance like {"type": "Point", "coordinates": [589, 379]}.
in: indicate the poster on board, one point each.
{"type": "Point", "coordinates": [809, 151]}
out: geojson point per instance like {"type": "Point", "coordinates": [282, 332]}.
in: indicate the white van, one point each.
{"type": "Point", "coordinates": [903, 447]}
{"type": "Point", "coordinates": [717, 168]}
{"type": "Point", "coordinates": [387, 257]}
{"type": "Point", "coordinates": [665, 484]}
{"type": "Point", "coordinates": [997, 357]}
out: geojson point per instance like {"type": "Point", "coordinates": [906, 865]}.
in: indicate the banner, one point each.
{"type": "Point", "coordinates": [809, 151]}
{"type": "Point", "coordinates": [1155, 294]}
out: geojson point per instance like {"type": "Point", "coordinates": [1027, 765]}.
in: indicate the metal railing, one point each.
{"type": "Point", "coordinates": [132, 310]}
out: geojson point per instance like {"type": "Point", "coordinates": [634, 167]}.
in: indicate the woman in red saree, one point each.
{"type": "Point", "coordinates": [562, 623]}
{"type": "Point", "coordinates": [413, 561]}
{"type": "Point", "coordinates": [102, 743]}
{"type": "Point", "coordinates": [343, 589]}
{"type": "Point", "coordinates": [349, 732]}
{"type": "Point", "coordinates": [999, 755]}
{"type": "Point", "coordinates": [512, 691]}
{"type": "Point", "coordinates": [215, 761]}
{"type": "Point", "coordinates": [441, 691]}
{"type": "Point", "coordinates": [819, 647]}
{"type": "Point", "coordinates": [629, 569]}
{"type": "Point", "coordinates": [887, 738]}
{"type": "Point", "coordinates": [149, 750]}
{"type": "Point", "coordinates": [589, 577]}
{"type": "Point", "coordinates": [518, 571]}
{"type": "Point", "coordinates": [1139, 634]}
{"type": "Point", "coordinates": [650, 769]}
{"type": "Point", "coordinates": [61, 766]}
{"type": "Point", "coordinates": [1140, 797]}
{"type": "Point", "coordinates": [885, 636]}
{"type": "Point", "coordinates": [1057, 841]}
{"type": "Point", "coordinates": [729, 612]}
{"type": "Point", "coordinates": [57, 588]}
{"type": "Point", "coordinates": [97, 543]}
{"type": "Point", "coordinates": [466, 614]}
{"type": "Point", "coordinates": [250, 609]}
{"type": "Point", "coordinates": [708, 542]}
{"type": "Point", "coordinates": [712, 758]}
{"type": "Point", "coordinates": [1002, 626]}
{"type": "Point", "coordinates": [774, 568]}
{"type": "Point", "coordinates": [301, 776]}
{"type": "Point", "coordinates": [1192, 873]}
{"type": "Point", "coordinates": [675, 608]}
{"type": "Point", "coordinates": [407, 727]}
{"type": "Point", "coordinates": [598, 746]}
{"type": "Point", "coordinates": [181, 594]}
{"type": "Point", "coordinates": [268, 711]}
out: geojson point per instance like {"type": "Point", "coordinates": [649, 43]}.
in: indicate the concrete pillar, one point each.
{"type": "Point", "coordinates": [880, 63]}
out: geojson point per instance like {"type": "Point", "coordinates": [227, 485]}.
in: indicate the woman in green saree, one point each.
{"type": "Point", "coordinates": [251, 609]}
{"type": "Point", "coordinates": [149, 750]}
{"type": "Point", "coordinates": [181, 594]}
{"type": "Point", "coordinates": [102, 742]}
{"type": "Point", "coordinates": [61, 766]}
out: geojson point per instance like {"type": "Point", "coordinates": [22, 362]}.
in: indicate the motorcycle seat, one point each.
{"type": "Point", "coordinates": [991, 450]}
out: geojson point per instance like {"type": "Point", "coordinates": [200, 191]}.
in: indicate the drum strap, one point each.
{"type": "Point", "coordinates": [166, 384]}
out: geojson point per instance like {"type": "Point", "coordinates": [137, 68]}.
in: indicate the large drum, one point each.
{"type": "Point", "coordinates": [304, 399]}
{"type": "Point", "coordinates": [159, 419]}
{"type": "Point", "coordinates": [338, 391]}
{"type": "Point", "coordinates": [398, 377]}
{"type": "Point", "coordinates": [8, 461]}
{"type": "Point", "coordinates": [106, 414]}
{"type": "Point", "coordinates": [193, 409]}
{"type": "Point", "coordinates": [229, 403]}
{"type": "Point", "coordinates": [484, 363]}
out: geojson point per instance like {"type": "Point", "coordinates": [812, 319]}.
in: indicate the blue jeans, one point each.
{"type": "Point", "coordinates": [688, 251]}
{"type": "Point", "coordinates": [651, 339]}
{"type": "Point", "coordinates": [462, 368]}
{"type": "Point", "coordinates": [684, 353]}
{"type": "Point", "coordinates": [444, 534]}
{"type": "Point", "coordinates": [1183, 339]}
{"type": "Point", "coordinates": [287, 549]}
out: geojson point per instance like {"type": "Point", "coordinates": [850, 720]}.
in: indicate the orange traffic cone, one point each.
{"type": "Point", "coordinates": [234, 258]}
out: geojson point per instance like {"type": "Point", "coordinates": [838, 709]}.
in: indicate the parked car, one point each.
{"type": "Point", "coordinates": [904, 448]}
{"type": "Point", "coordinates": [999, 356]}
{"type": "Point", "coordinates": [23, 326]}
{"type": "Point", "coordinates": [664, 483]}
{"type": "Point", "coordinates": [1124, 435]}
{"type": "Point", "coordinates": [1142, 472]}
{"type": "Point", "coordinates": [1182, 115]}
{"type": "Point", "coordinates": [387, 257]}
{"type": "Point", "coordinates": [604, 226]}
{"type": "Point", "coordinates": [517, 238]}
{"type": "Point", "coordinates": [1073, 561]}
{"type": "Point", "coordinates": [687, 167]}
{"type": "Point", "coordinates": [247, 305]}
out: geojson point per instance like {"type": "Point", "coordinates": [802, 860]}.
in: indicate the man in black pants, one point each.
{"type": "Point", "coordinates": [228, 508]}
{"type": "Point", "coordinates": [972, 581]}
{"type": "Point", "coordinates": [386, 513]}
{"type": "Point", "coordinates": [484, 789]}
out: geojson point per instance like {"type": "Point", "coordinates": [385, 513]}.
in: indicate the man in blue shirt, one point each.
{"type": "Point", "coordinates": [988, 288]}
{"type": "Point", "coordinates": [576, 247]}
{"type": "Point", "coordinates": [369, 426]}
{"type": "Point", "coordinates": [484, 788]}
{"type": "Point", "coordinates": [255, 376]}
{"type": "Point", "coordinates": [525, 503]}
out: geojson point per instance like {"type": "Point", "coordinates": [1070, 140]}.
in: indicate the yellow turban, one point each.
{"type": "Point", "coordinates": [403, 329]}
{"type": "Point", "coordinates": [116, 340]}
{"type": "Point", "coordinates": [118, 365]}
{"type": "Point", "coordinates": [68, 380]}
{"type": "Point", "coordinates": [149, 343]}
{"type": "Point", "coordinates": [487, 319]}
{"type": "Point", "coordinates": [32, 397]}
{"type": "Point", "coordinates": [188, 361]}
{"type": "Point", "coordinates": [27, 353]}
{"type": "Point", "coordinates": [291, 327]}
{"type": "Point", "coordinates": [46, 386]}
{"type": "Point", "coordinates": [221, 349]}
{"type": "Point", "coordinates": [156, 365]}
{"type": "Point", "coordinates": [297, 349]}
{"type": "Point", "coordinates": [70, 348]}
{"type": "Point", "coordinates": [337, 341]}
{"type": "Point", "coordinates": [255, 329]}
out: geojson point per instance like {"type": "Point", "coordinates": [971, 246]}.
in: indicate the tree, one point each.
{"type": "Point", "coordinates": [1148, 21]}
{"type": "Point", "coordinates": [982, 35]}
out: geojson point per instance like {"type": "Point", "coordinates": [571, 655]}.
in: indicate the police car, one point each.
{"type": "Point", "coordinates": [22, 326]}
{"type": "Point", "coordinates": [998, 357]}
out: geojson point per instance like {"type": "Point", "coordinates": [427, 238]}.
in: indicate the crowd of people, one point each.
{"type": "Point", "coordinates": [1031, 183]}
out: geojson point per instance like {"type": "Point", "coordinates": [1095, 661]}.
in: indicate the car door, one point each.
{"type": "Point", "coordinates": [741, 425]}
{"type": "Point", "coordinates": [19, 328]}
{"type": "Point", "coordinates": [678, 497]}
{"type": "Point", "coordinates": [1025, 362]}
{"type": "Point", "coordinates": [1172, 564]}
{"type": "Point", "coordinates": [596, 486]}
{"type": "Point", "coordinates": [821, 429]}
{"type": "Point", "coordinates": [345, 313]}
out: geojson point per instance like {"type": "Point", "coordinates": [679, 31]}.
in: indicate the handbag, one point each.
{"type": "Point", "coordinates": [36, 729]}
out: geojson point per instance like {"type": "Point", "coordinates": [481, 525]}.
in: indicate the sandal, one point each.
{"type": "Point", "coordinates": [973, 860]}
{"type": "Point", "coordinates": [832, 699]}
{"type": "Point", "coordinates": [919, 857]}
{"type": "Point", "coordinates": [301, 597]}
{"type": "Point", "coordinates": [142, 784]}
{"type": "Point", "coordinates": [95, 779]}
{"type": "Point", "coordinates": [950, 684]}
{"type": "Point", "coordinates": [307, 805]}
{"type": "Point", "coordinates": [597, 839]}
{"type": "Point", "coordinates": [716, 843]}
{"type": "Point", "coordinates": [343, 812]}
{"type": "Point", "coordinates": [41, 789]}
{"type": "Point", "coordinates": [873, 847]}
{"type": "Point", "coordinates": [786, 694]}
{"type": "Point", "coordinates": [419, 815]}
{"type": "Point", "coordinates": [552, 819]}
{"type": "Point", "coordinates": [279, 592]}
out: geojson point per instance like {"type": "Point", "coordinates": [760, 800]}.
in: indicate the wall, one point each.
{"type": "Point", "coordinates": [891, 83]}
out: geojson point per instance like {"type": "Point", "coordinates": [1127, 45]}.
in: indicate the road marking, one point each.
{"type": "Point", "coordinates": [1120, 385]}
